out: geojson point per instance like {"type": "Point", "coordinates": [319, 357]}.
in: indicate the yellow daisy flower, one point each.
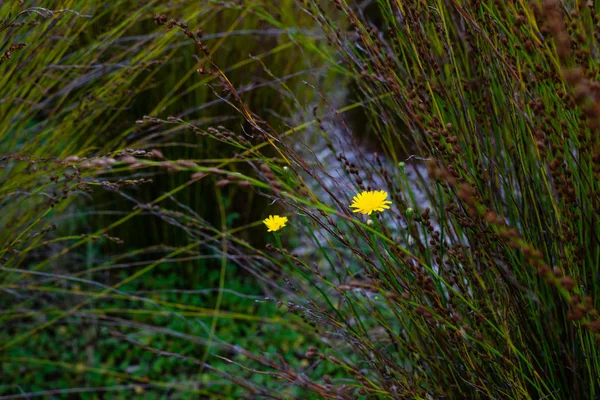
{"type": "Point", "coordinates": [367, 202]}
{"type": "Point", "coordinates": [275, 222]}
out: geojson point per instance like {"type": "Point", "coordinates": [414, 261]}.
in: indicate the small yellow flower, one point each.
{"type": "Point", "coordinates": [275, 222]}
{"type": "Point", "coordinates": [367, 202]}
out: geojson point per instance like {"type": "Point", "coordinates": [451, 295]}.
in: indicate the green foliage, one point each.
{"type": "Point", "coordinates": [89, 71]}
{"type": "Point", "coordinates": [166, 142]}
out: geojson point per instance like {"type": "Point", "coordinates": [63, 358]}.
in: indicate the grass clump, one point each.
{"type": "Point", "coordinates": [474, 269]}
{"type": "Point", "coordinates": [487, 284]}
{"type": "Point", "coordinates": [85, 99]}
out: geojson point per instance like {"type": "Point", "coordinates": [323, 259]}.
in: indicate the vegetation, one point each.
{"type": "Point", "coordinates": [144, 144]}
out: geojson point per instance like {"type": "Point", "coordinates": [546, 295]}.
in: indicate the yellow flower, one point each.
{"type": "Point", "coordinates": [275, 222]}
{"type": "Point", "coordinates": [367, 202]}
